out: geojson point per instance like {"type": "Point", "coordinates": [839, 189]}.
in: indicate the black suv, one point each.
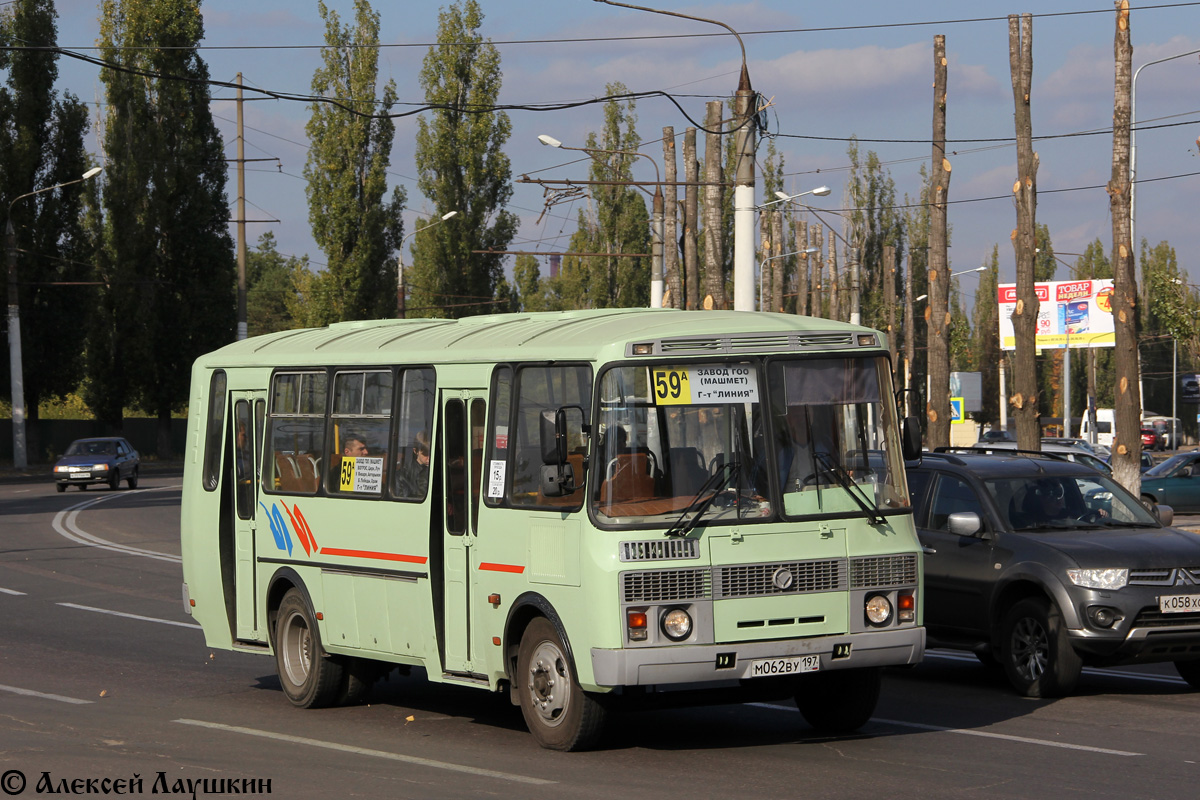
{"type": "Point", "coordinates": [1044, 565]}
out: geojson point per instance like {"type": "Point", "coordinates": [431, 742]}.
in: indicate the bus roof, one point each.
{"type": "Point", "coordinates": [591, 335]}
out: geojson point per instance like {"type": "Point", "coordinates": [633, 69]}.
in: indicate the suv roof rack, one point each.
{"type": "Point", "coordinates": [1004, 451]}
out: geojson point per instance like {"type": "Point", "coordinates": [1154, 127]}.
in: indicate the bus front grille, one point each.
{"type": "Point", "coordinates": [880, 571]}
{"type": "Point", "coordinates": [666, 585]}
{"type": "Point", "coordinates": [794, 577]}
{"type": "Point", "coordinates": [660, 550]}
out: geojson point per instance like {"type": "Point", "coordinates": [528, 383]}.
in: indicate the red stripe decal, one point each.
{"type": "Point", "coordinates": [337, 551]}
{"type": "Point", "coordinates": [501, 567]}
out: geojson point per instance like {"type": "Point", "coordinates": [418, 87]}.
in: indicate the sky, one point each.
{"type": "Point", "coordinates": [831, 71]}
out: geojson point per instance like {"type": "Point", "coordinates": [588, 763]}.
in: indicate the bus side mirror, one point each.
{"type": "Point", "coordinates": [910, 438]}
{"type": "Point", "coordinates": [554, 436]}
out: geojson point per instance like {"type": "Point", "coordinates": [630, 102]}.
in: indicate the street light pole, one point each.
{"type": "Point", "coordinates": [16, 369]}
{"type": "Point", "coordinates": [656, 220]}
{"type": "Point", "coordinates": [400, 261]}
{"type": "Point", "coordinates": [762, 264]}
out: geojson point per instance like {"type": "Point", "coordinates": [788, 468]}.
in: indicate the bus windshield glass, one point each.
{"type": "Point", "coordinates": [836, 436]}
{"type": "Point", "coordinates": [680, 440]}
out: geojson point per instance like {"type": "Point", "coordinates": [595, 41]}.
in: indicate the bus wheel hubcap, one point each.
{"type": "Point", "coordinates": [549, 683]}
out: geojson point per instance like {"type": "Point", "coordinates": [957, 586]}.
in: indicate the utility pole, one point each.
{"type": "Point", "coordinates": [910, 336]}
{"type": "Point", "coordinates": [242, 326]}
{"type": "Point", "coordinates": [1127, 403]}
{"type": "Point", "coordinates": [889, 300]}
{"type": "Point", "coordinates": [937, 404]}
{"type": "Point", "coordinates": [743, 196]}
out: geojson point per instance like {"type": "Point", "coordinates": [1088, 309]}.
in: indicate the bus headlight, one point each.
{"type": "Point", "coordinates": [677, 624]}
{"type": "Point", "coordinates": [879, 610]}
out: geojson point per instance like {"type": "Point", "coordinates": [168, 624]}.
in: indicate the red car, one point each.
{"type": "Point", "coordinates": [1149, 439]}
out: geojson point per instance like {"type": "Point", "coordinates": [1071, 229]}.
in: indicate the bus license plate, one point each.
{"type": "Point", "coordinates": [1179, 603]}
{"type": "Point", "coordinates": [767, 667]}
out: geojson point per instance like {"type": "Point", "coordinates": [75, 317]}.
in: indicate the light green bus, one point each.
{"type": "Point", "coordinates": [588, 510]}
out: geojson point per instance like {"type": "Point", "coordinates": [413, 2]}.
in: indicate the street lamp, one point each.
{"type": "Point", "coordinates": [656, 226]}
{"type": "Point", "coordinates": [762, 265]}
{"type": "Point", "coordinates": [400, 260]}
{"type": "Point", "coordinates": [921, 297]}
{"type": "Point", "coordinates": [1133, 137]}
{"type": "Point", "coordinates": [16, 371]}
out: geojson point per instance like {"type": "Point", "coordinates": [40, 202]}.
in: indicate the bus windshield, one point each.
{"type": "Point", "coordinates": [697, 439]}
{"type": "Point", "coordinates": [836, 436]}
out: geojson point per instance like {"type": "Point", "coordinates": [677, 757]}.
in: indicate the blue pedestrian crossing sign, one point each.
{"type": "Point", "coordinates": [956, 410]}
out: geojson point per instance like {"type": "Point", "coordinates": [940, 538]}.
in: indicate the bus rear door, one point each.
{"type": "Point", "coordinates": [245, 472]}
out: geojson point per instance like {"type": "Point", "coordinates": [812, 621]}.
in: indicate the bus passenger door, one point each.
{"type": "Point", "coordinates": [463, 413]}
{"type": "Point", "coordinates": [244, 472]}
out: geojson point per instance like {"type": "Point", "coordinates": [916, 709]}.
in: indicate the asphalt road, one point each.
{"type": "Point", "coordinates": [103, 677]}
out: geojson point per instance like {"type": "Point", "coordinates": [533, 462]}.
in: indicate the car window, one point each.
{"type": "Point", "coordinates": [1168, 467]}
{"type": "Point", "coordinates": [952, 495]}
{"type": "Point", "coordinates": [918, 483]}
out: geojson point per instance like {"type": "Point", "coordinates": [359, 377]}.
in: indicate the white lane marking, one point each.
{"type": "Point", "coordinates": [985, 734]}
{"type": "Point", "coordinates": [66, 523]}
{"type": "Point", "coordinates": [1102, 673]}
{"type": "Point", "coordinates": [362, 751]}
{"type": "Point", "coordinates": [130, 616]}
{"type": "Point", "coordinates": [10, 591]}
{"type": "Point", "coordinates": [31, 693]}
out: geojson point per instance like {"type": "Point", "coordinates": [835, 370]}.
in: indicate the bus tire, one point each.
{"type": "Point", "coordinates": [559, 714]}
{"type": "Point", "coordinates": [840, 701]}
{"type": "Point", "coordinates": [309, 677]}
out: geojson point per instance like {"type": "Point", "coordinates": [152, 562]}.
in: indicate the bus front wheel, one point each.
{"type": "Point", "coordinates": [310, 678]}
{"type": "Point", "coordinates": [840, 701]}
{"type": "Point", "coordinates": [559, 714]}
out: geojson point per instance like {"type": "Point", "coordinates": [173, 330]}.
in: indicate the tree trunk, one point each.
{"type": "Point", "coordinates": [777, 262]}
{"type": "Point", "coordinates": [889, 300]}
{"type": "Point", "coordinates": [1127, 402]}
{"type": "Point", "coordinates": [833, 288]}
{"type": "Point", "coordinates": [691, 263]}
{"type": "Point", "coordinates": [1024, 399]}
{"type": "Point", "coordinates": [910, 338]}
{"type": "Point", "coordinates": [714, 261]}
{"type": "Point", "coordinates": [802, 266]}
{"type": "Point", "coordinates": [671, 270]}
{"type": "Point", "coordinates": [816, 308]}
{"type": "Point", "coordinates": [937, 312]}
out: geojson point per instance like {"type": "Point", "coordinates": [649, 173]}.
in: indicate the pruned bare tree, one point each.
{"type": "Point", "coordinates": [937, 311]}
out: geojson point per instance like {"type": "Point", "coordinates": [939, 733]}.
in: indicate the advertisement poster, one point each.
{"type": "Point", "coordinates": [1070, 314]}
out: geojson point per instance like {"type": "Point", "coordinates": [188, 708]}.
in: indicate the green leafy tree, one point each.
{"type": "Point", "coordinates": [614, 222]}
{"type": "Point", "coordinates": [986, 339]}
{"type": "Point", "coordinates": [346, 174]}
{"type": "Point", "coordinates": [1170, 323]}
{"type": "Point", "coordinates": [873, 222]}
{"type": "Point", "coordinates": [271, 287]}
{"type": "Point", "coordinates": [41, 145]}
{"type": "Point", "coordinates": [462, 167]}
{"type": "Point", "coordinates": [167, 261]}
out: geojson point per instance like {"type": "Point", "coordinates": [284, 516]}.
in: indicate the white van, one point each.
{"type": "Point", "coordinates": [1104, 427]}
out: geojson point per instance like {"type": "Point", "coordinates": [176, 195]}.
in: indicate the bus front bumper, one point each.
{"type": "Point", "coordinates": [720, 662]}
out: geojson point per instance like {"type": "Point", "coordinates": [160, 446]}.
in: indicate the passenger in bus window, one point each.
{"type": "Point", "coordinates": [354, 447]}
{"type": "Point", "coordinates": [414, 473]}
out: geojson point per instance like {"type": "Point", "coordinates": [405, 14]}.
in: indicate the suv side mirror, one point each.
{"type": "Point", "coordinates": [910, 438]}
{"type": "Point", "coordinates": [964, 523]}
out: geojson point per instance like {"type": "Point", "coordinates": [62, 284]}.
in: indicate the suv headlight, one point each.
{"type": "Point", "coordinates": [1099, 578]}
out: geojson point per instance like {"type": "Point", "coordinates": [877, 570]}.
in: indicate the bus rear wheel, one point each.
{"type": "Point", "coordinates": [559, 714]}
{"type": "Point", "coordinates": [309, 677]}
{"type": "Point", "coordinates": [841, 701]}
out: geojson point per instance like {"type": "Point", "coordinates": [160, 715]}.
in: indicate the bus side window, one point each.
{"type": "Point", "coordinates": [539, 388]}
{"type": "Point", "coordinates": [414, 426]}
{"type": "Point", "coordinates": [358, 442]}
{"type": "Point", "coordinates": [295, 433]}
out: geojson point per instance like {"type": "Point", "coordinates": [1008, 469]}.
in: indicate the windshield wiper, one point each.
{"type": "Point", "coordinates": [699, 504]}
{"type": "Point", "coordinates": [853, 489]}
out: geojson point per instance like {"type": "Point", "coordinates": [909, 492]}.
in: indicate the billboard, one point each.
{"type": "Point", "coordinates": [1070, 314]}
